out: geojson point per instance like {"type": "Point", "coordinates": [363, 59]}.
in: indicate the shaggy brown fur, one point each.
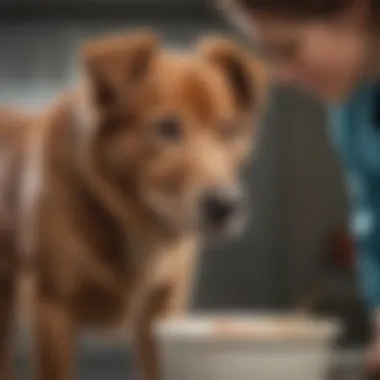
{"type": "Point", "coordinates": [101, 195]}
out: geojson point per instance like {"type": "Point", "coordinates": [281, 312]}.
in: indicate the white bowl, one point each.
{"type": "Point", "coordinates": [246, 347]}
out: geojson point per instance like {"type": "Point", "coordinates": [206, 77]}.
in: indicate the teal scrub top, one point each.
{"type": "Point", "coordinates": [356, 134]}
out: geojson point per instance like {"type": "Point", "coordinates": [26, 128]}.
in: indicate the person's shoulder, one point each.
{"type": "Point", "coordinates": [336, 114]}
{"type": "Point", "coordinates": [339, 122]}
{"type": "Point", "coordinates": [341, 114]}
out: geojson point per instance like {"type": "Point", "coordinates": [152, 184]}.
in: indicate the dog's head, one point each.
{"type": "Point", "coordinates": [172, 129]}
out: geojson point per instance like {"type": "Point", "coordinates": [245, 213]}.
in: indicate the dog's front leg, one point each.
{"type": "Point", "coordinates": [54, 340]}
{"type": "Point", "coordinates": [7, 298]}
{"type": "Point", "coordinates": [168, 299]}
{"type": "Point", "coordinates": [144, 343]}
{"type": "Point", "coordinates": [164, 301]}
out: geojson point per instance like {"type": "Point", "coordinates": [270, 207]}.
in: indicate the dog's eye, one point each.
{"type": "Point", "coordinates": [169, 129]}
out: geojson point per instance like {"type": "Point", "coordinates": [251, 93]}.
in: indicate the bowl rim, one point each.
{"type": "Point", "coordinates": [211, 327]}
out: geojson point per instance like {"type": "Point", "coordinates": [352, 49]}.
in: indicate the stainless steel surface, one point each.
{"type": "Point", "coordinates": [115, 363]}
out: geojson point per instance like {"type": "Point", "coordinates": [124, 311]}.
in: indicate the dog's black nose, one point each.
{"type": "Point", "coordinates": [218, 208]}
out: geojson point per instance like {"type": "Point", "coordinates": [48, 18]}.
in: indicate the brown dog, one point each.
{"type": "Point", "coordinates": [109, 195]}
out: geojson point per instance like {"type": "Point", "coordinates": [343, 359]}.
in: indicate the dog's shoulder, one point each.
{"type": "Point", "coordinates": [78, 239]}
{"type": "Point", "coordinates": [13, 131]}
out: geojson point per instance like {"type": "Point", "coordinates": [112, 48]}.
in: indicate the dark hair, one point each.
{"type": "Point", "coordinates": [303, 8]}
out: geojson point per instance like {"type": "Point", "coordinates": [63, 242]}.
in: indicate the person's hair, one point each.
{"type": "Point", "coordinates": [302, 9]}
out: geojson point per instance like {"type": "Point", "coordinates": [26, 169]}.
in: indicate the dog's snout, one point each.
{"type": "Point", "coordinates": [218, 208]}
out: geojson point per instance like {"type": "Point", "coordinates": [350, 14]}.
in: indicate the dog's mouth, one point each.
{"type": "Point", "coordinates": [214, 214]}
{"type": "Point", "coordinates": [223, 213]}
{"type": "Point", "coordinates": [227, 229]}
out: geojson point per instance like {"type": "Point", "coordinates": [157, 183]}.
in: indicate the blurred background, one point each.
{"type": "Point", "coordinates": [294, 253]}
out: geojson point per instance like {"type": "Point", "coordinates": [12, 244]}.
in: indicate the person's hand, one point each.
{"type": "Point", "coordinates": [372, 359]}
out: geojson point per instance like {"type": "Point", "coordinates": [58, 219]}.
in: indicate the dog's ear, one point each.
{"type": "Point", "coordinates": [115, 64]}
{"type": "Point", "coordinates": [244, 71]}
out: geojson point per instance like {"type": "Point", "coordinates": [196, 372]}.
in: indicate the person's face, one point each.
{"type": "Point", "coordinates": [326, 58]}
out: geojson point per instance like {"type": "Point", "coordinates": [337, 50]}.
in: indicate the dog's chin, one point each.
{"type": "Point", "coordinates": [232, 229]}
